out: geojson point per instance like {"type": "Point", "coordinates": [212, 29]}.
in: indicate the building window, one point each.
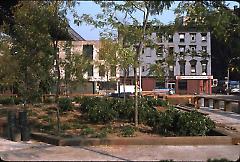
{"type": "Point", "coordinates": [160, 51]}
{"type": "Point", "coordinates": [88, 51]}
{"type": "Point", "coordinates": [204, 67]}
{"type": "Point", "coordinates": [181, 49]}
{"type": "Point", "coordinates": [170, 38]}
{"type": "Point", "coordinates": [193, 66]}
{"type": "Point", "coordinates": [182, 84]}
{"type": "Point", "coordinates": [193, 37]}
{"type": "Point", "coordinates": [143, 68]}
{"type": "Point", "coordinates": [204, 37]}
{"type": "Point", "coordinates": [204, 48]}
{"type": "Point", "coordinates": [159, 37]}
{"type": "Point", "coordinates": [101, 71]}
{"type": "Point", "coordinates": [171, 50]}
{"type": "Point", "coordinates": [148, 52]}
{"type": "Point", "coordinates": [192, 48]}
{"type": "Point", "coordinates": [182, 37]}
{"type": "Point", "coordinates": [182, 64]}
{"type": "Point", "coordinates": [171, 71]}
{"type": "Point", "coordinates": [142, 50]}
{"type": "Point", "coordinates": [90, 70]}
{"type": "Point", "coordinates": [113, 71]}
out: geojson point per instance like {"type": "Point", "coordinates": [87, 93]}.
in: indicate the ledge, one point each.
{"type": "Point", "coordinates": [81, 141]}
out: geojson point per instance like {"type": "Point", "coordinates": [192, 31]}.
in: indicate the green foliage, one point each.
{"type": "Point", "coordinates": [10, 100]}
{"type": "Point", "coordinates": [127, 131]}
{"type": "Point", "coordinates": [87, 131]}
{"type": "Point", "coordinates": [174, 122]}
{"type": "Point", "coordinates": [101, 113]}
{"type": "Point", "coordinates": [194, 124]}
{"type": "Point", "coordinates": [65, 104]}
{"type": "Point", "coordinates": [218, 160]}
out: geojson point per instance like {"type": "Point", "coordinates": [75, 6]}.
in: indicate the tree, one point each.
{"type": "Point", "coordinates": [8, 65]}
{"type": "Point", "coordinates": [109, 18]}
{"type": "Point", "coordinates": [75, 66]}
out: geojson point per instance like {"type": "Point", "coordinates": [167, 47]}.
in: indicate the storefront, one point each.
{"type": "Point", "coordinates": [194, 84]}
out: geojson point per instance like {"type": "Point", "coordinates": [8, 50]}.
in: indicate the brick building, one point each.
{"type": "Point", "coordinates": [185, 57]}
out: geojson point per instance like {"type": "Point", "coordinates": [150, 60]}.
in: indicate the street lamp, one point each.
{"type": "Point", "coordinates": [228, 75]}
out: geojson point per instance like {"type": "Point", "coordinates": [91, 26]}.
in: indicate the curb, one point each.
{"type": "Point", "coordinates": [81, 141]}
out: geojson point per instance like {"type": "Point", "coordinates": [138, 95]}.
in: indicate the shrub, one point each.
{"type": "Point", "coordinates": [87, 130]}
{"type": "Point", "coordinates": [194, 124]}
{"type": "Point", "coordinates": [10, 100]}
{"type": "Point", "coordinates": [174, 122]}
{"type": "Point", "coordinates": [88, 102]}
{"type": "Point", "coordinates": [101, 113]}
{"type": "Point", "coordinates": [65, 104]}
{"type": "Point", "coordinates": [125, 109]}
{"type": "Point", "coordinates": [127, 131]}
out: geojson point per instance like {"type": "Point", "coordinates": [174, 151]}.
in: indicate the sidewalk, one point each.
{"type": "Point", "coordinates": [35, 151]}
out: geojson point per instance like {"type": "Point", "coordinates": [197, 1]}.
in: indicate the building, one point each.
{"type": "Point", "coordinates": [185, 57]}
{"type": "Point", "coordinates": [98, 80]}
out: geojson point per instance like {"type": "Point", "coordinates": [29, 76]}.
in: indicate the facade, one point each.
{"type": "Point", "coordinates": [97, 78]}
{"type": "Point", "coordinates": [185, 57]}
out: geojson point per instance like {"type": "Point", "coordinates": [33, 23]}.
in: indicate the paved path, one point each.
{"type": "Point", "coordinates": [33, 151]}
{"type": "Point", "coordinates": [229, 120]}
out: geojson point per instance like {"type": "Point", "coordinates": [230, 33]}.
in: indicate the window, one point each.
{"type": "Point", "coordinates": [182, 37]}
{"type": "Point", "coordinates": [182, 66]}
{"type": "Point", "coordinates": [170, 38]}
{"type": "Point", "coordinates": [204, 37]}
{"type": "Point", "coordinates": [204, 67]}
{"type": "Point", "coordinates": [148, 52]}
{"type": "Point", "coordinates": [193, 48]}
{"type": "Point", "coordinates": [160, 51]}
{"type": "Point", "coordinates": [142, 50]}
{"type": "Point", "coordinates": [101, 70]}
{"type": "Point", "coordinates": [193, 66]}
{"type": "Point", "coordinates": [88, 51]}
{"type": "Point", "coordinates": [193, 37]}
{"type": "Point", "coordinates": [143, 68]}
{"type": "Point", "coordinates": [159, 37]}
{"type": "Point", "coordinates": [181, 49]}
{"type": "Point", "coordinates": [204, 48]}
{"type": "Point", "coordinates": [113, 71]}
{"type": "Point", "coordinates": [171, 71]}
{"type": "Point", "coordinates": [182, 84]}
{"type": "Point", "coordinates": [171, 50]}
{"type": "Point", "coordinates": [90, 71]}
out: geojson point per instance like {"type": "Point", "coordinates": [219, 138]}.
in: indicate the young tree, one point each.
{"type": "Point", "coordinates": [129, 10]}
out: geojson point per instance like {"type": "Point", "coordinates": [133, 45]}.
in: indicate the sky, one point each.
{"type": "Point", "coordinates": [91, 33]}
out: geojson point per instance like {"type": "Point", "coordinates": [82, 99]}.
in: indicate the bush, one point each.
{"type": "Point", "coordinates": [87, 130]}
{"type": "Point", "coordinates": [65, 104]}
{"type": "Point", "coordinates": [174, 122]}
{"type": "Point", "coordinates": [125, 109]}
{"type": "Point", "coordinates": [101, 113]}
{"type": "Point", "coordinates": [10, 100]}
{"type": "Point", "coordinates": [127, 131]}
{"type": "Point", "coordinates": [87, 103]}
{"type": "Point", "coordinates": [194, 124]}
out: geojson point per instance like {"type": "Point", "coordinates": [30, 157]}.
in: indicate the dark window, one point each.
{"type": "Point", "coordinates": [204, 48]}
{"type": "Point", "coordinates": [193, 37]}
{"type": "Point", "coordinates": [88, 51]}
{"type": "Point", "coordinates": [182, 64]}
{"type": "Point", "coordinates": [113, 71]}
{"type": "Point", "coordinates": [170, 38]}
{"type": "Point", "coordinates": [182, 84]}
{"type": "Point", "coordinates": [160, 51]}
{"type": "Point", "coordinates": [90, 70]}
{"type": "Point", "coordinates": [193, 66]}
{"type": "Point", "coordinates": [204, 37]}
{"type": "Point", "coordinates": [193, 48]}
{"type": "Point", "coordinates": [181, 49]}
{"type": "Point", "coordinates": [101, 70]}
{"type": "Point", "coordinates": [171, 50]}
{"type": "Point", "coordinates": [204, 66]}
{"type": "Point", "coordinates": [182, 37]}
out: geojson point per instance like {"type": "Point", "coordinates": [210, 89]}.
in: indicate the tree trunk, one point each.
{"type": "Point", "coordinates": [136, 97]}
{"type": "Point", "coordinates": [139, 51]}
{"type": "Point", "coordinates": [57, 66]}
{"type": "Point", "coordinates": [124, 83]}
